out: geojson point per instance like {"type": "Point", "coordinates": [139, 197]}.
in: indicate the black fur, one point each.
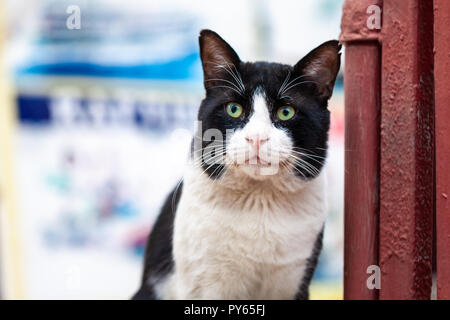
{"type": "Point", "coordinates": [303, 291]}
{"type": "Point", "coordinates": [158, 261]}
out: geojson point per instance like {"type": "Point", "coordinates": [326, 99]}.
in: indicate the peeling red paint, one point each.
{"type": "Point", "coordinates": [362, 110]}
{"type": "Point", "coordinates": [362, 107]}
{"type": "Point", "coordinates": [442, 94]}
{"type": "Point", "coordinates": [402, 142]}
{"type": "Point", "coordinates": [406, 164]}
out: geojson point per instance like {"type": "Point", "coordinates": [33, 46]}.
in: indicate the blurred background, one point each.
{"type": "Point", "coordinates": [96, 117]}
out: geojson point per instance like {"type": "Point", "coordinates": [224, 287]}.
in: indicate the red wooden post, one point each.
{"type": "Point", "coordinates": [362, 108]}
{"type": "Point", "coordinates": [442, 96]}
{"type": "Point", "coordinates": [406, 176]}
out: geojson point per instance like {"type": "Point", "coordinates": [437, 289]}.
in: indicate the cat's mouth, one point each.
{"type": "Point", "coordinates": [256, 164]}
{"type": "Point", "coordinates": [257, 161]}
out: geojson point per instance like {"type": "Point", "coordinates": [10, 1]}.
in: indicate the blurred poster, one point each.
{"type": "Point", "coordinates": [104, 120]}
{"type": "Point", "coordinates": [105, 116]}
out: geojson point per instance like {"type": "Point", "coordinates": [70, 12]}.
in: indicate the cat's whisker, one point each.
{"type": "Point", "coordinates": [224, 171]}
{"type": "Point", "coordinates": [200, 161]}
{"type": "Point", "coordinates": [306, 165]}
{"type": "Point", "coordinates": [231, 88]}
{"type": "Point", "coordinates": [217, 159]}
{"type": "Point", "coordinates": [236, 76]}
{"type": "Point", "coordinates": [284, 83]}
{"type": "Point", "coordinates": [215, 147]}
{"type": "Point", "coordinates": [239, 78]}
{"type": "Point", "coordinates": [292, 166]}
{"type": "Point", "coordinates": [299, 171]}
{"type": "Point", "coordinates": [213, 153]}
{"type": "Point", "coordinates": [175, 193]}
{"type": "Point", "coordinates": [286, 153]}
{"type": "Point", "coordinates": [230, 71]}
{"type": "Point", "coordinates": [306, 162]}
{"type": "Point", "coordinates": [295, 79]}
{"type": "Point", "coordinates": [209, 167]}
{"type": "Point", "coordinates": [213, 159]}
{"type": "Point", "coordinates": [226, 81]}
{"type": "Point", "coordinates": [297, 84]}
{"type": "Point", "coordinates": [310, 157]}
{"type": "Point", "coordinates": [285, 88]}
{"type": "Point", "coordinates": [311, 169]}
{"type": "Point", "coordinates": [222, 168]}
{"type": "Point", "coordinates": [306, 157]}
{"type": "Point", "coordinates": [219, 174]}
{"type": "Point", "coordinates": [202, 153]}
{"type": "Point", "coordinates": [307, 170]}
{"type": "Point", "coordinates": [308, 152]}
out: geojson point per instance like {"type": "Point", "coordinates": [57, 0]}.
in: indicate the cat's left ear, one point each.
{"type": "Point", "coordinates": [321, 66]}
{"type": "Point", "coordinates": [217, 57]}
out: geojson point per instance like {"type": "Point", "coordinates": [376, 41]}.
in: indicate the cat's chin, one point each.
{"type": "Point", "coordinates": [260, 172]}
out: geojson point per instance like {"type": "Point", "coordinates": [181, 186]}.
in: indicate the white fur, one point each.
{"type": "Point", "coordinates": [272, 151]}
{"type": "Point", "coordinates": [245, 236]}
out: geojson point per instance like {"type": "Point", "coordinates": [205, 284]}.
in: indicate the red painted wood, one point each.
{"type": "Point", "coordinates": [406, 157]}
{"type": "Point", "coordinates": [362, 108]}
{"type": "Point", "coordinates": [362, 111]}
{"type": "Point", "coordinates": [442, 96]}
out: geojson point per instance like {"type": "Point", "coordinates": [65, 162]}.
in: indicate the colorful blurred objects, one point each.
{"type": "Point", "coordinates": [104, 118]}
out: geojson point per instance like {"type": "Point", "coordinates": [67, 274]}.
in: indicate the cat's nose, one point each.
{"type": "Point", "coordinates": [256, 141]}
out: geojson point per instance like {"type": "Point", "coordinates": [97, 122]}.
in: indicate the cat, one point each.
{"type": "Point", "coordinates": [246, 221]}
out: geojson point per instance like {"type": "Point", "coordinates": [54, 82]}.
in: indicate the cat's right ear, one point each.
{"type": "Point", "coordinates": [321, 66]}
{"type": "Point", "coordinates": [218, 57]}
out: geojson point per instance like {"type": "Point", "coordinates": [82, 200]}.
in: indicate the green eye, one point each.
{"type": "Point", "coordinates": [234, 109]}
{"type": "Point", "coordinates": [285, 113]}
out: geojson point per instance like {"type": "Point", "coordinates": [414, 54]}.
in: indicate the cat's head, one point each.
{"type": "Point", "coordinates": [264, 118]}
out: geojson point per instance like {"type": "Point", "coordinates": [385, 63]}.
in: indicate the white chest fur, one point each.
{"type": "Point", "coordinates": [246, 240]}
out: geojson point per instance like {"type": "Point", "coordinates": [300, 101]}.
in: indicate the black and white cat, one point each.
{"type": "Point", "coordinates": [246, 221]}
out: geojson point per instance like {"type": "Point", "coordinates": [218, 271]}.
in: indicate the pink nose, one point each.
{"type": "Point", "coordinates": [256, 141]}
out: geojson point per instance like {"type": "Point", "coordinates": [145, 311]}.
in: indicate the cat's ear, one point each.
{"type": "Point", "coordinates": [321, 66]}
{"type": "Point", "coordinates": [217, 57]}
